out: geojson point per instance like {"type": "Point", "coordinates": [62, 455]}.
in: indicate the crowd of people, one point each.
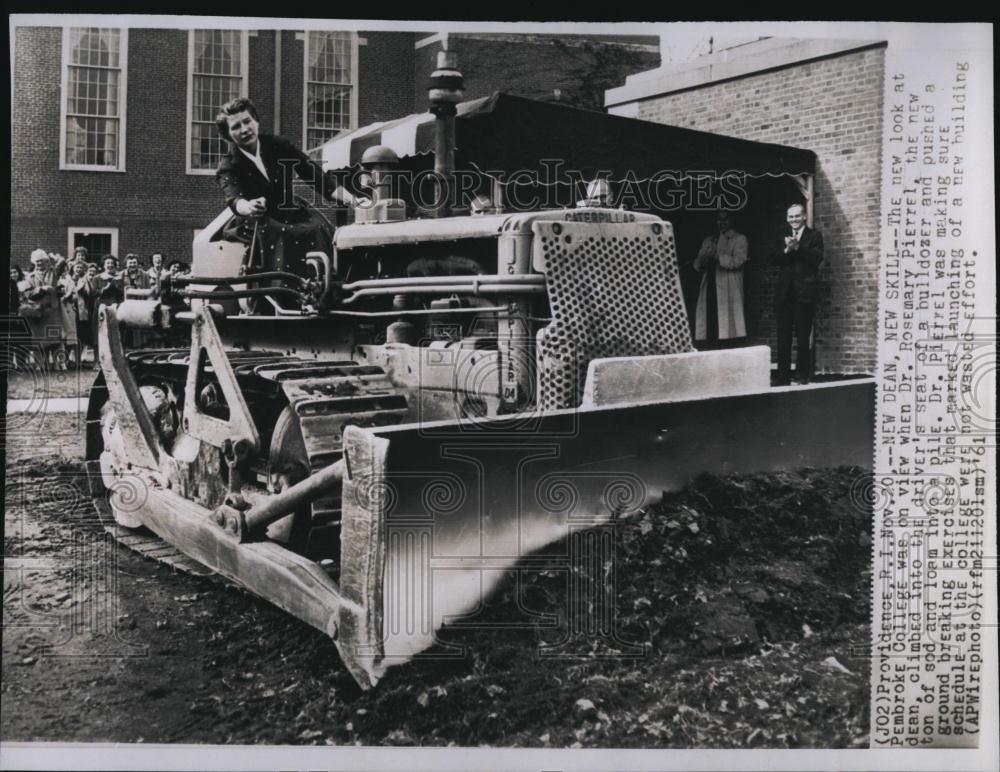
{"type": "Point", "coordinates": [59, 299]}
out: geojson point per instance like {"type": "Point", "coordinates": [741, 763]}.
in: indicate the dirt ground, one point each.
{"type": "Point", "coordinates": [39, 384]}
{"type": "Point", "coordinates": [42, 434]}
{"type": "Point", "coordinates": [741, 611]}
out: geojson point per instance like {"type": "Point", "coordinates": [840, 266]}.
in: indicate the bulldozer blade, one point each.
{"type": "Point", "coordinates": [435, 515]}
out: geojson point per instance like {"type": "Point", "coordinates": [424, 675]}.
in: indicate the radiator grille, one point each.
{"type": "Point", "coordinates": [614, 291]}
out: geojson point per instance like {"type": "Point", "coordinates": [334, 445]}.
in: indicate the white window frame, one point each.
{"type": "Point", "coordinates": [122, 104]}
{"type": "Point", "coordinates": [86, 229]}
{"type": "Point", "coordinates": [244, 75]}
{"type": "Point", "coordinates": [353, 122]}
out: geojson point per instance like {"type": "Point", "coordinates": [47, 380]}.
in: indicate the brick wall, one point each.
{"type": "Point", "coordinates": [425, 62]}
{"type": "Point", "coordinates": [154, 203]}
{"type": "Point", "coordinates": [386, 75]}
{"type": "Point", "coordinates": [34, 139]}
{"type": "Point", "coordinates": [834, 108]}
{"type": "Point", "coordinates": [293, 49]}
{"type": "Point", "coordinates": [260, 75]}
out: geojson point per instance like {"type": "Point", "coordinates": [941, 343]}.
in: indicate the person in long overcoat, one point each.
{"type": "Point", "coordinates": [41, 305]}
{"type": "Point", "coordinates": [719, 317]}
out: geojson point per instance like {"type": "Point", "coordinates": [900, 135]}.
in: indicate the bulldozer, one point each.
{"type": "Point", "coordinates": [374, 445]}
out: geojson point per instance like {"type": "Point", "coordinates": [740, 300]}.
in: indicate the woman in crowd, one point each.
{"type": "Point", "coordinates": [134, 277]}
{"type": "Point", "coordinates": [156, 270]}
{"type": "Point", "coordinates": [67, 306]}
{"type": "Point", "coordinates": [111, 290]}
{"type": "Point", "coordinates": [16, 283]}
{"type": "Point", "coordinates": [16, 277]}
{"type": "Point", "coordinates": [42, 307]}
{"type": "Point", "coordinates": [88, 296]}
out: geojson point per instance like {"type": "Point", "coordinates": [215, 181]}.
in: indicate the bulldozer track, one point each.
{"type": "Point", "coordinates": [147, 543]}
{"type": "Point", "coordinates": [325, 396]}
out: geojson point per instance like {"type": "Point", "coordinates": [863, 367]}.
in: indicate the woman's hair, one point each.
{"type": "Point", "coordinates": [233, 107]}
{"type": "Point", "coordinates": [17, 269]}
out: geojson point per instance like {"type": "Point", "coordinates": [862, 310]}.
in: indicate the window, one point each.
{"type": "Point", "coordinates": [330, 78]}
{"type": "Point", "coordinates": [93, 104]}
{"type": "Point", "coordinates": [98, 241]}
{"type": "Point", "coordinates": [217, 72]}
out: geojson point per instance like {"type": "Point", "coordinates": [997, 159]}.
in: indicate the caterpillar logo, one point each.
{"type": "Point", "coordinates": [600, 215]}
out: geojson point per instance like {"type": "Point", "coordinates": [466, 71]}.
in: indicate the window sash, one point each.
{"type": "Point", "coordinates": [93, 99]}
{"type": "Point", "coordinates": [107, 36]}
{"type": "Point", "coordinates": [330, 88]}
{"type": "Point", "coordinates": [85, 91]}
{"type": "Point", "coordinates": [326, 65]}
{"type": "Point", "coordinates": [217, 73]}
{"type": "Point", "coordinates": [229, 42]}
{"type": "Point", "coordinates": [92, 141]}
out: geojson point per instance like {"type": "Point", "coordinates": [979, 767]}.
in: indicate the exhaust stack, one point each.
{"type": "Point", "coordinates": [444, 93]}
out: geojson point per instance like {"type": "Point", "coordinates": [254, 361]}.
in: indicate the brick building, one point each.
{"type": "Point", "coordinates": [113, 143]}
{"type": "Point", "coordinates": [821, 95]}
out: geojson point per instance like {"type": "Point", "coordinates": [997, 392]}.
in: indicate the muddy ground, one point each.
{"type": "Point", "coordinates": [39, 384]}
{"type": "Point", "coordinates": [37, 431]}
{"type": "Point", "coordinates": [741, 610]}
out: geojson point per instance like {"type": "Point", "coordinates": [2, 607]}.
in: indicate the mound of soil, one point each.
{"type": "Point", "coordinates": [734, 613]}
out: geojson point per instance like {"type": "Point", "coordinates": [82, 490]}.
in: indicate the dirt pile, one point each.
{"type": "Point", "coordinates": [739, 609]}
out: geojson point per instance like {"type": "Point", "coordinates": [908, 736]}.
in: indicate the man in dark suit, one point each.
{"type": "Point", "coordinates": [256, 178]}
{"type": "Point", "coordinates": [797, 294]}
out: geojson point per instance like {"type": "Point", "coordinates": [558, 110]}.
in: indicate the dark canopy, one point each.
{"type": "Point", "coordinates": [505, 133]}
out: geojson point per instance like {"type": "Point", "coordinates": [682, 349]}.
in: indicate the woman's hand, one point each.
{"type": "Point", "coordinates": [256, 207]}
{"type": "Point", "coordinates": [345, 197]}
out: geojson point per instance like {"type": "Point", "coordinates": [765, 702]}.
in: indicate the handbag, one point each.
{"type": "Point", "coordinates": [29, 309]}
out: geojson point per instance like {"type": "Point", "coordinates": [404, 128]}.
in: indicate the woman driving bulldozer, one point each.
{"type": "Point", "coordinates": [256, 176]}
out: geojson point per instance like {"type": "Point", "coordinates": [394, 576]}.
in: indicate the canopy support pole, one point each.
{"type": "Point", "coordinates": [277, 81]}
{"type": "Point", "coordinates": [805, 183]}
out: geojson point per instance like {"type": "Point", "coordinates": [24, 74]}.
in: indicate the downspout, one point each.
{"type": "Point", "coordinates": [810, 178]}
